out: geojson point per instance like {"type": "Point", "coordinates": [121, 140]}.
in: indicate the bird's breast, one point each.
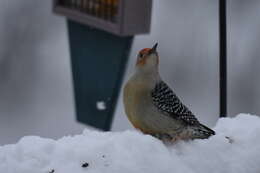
{"type": "Point", "coordinates": [137, 99]}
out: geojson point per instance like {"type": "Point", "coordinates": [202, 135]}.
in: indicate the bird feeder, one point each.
{"type": "Point", "coordinates": [100, 37]}
{"type": "Point", "coordinates": [121, 17]}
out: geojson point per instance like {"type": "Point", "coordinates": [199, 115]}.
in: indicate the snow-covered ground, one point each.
{"type": "Point", "coordinates": [235, 149]}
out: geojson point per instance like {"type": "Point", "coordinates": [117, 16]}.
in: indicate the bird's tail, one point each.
{"type": "Point", "coordinates": [203, 132]}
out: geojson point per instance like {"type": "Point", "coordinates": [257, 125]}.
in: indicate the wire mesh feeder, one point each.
{"type": "Point", "coordinates": [121, 17]}
{"type": "Point", "coordinates": [104, 9]}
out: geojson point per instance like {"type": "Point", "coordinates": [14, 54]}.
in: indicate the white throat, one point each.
{"type": "Point", "coordinates": [149, 78]}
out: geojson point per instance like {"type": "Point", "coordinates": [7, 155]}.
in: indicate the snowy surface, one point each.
{"type": "Point", "coordinates": [133, 152]}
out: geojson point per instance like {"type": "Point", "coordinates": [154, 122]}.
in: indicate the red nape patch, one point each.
{"type": "Point", "coordinates": [145, 50]}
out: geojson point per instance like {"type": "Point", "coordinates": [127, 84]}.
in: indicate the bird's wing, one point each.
{"type": "Point", "coordinates": [167, 102]}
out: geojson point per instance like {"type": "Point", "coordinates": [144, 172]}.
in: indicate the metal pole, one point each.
{"type": "Point", "coordinates": [222, 58]}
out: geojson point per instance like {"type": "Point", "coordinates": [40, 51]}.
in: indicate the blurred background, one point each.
{"type": "Point", "coordinates": [36, 88]}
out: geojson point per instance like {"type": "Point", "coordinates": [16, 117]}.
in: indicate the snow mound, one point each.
{"type": "Point", "coordinates": [235, 149]}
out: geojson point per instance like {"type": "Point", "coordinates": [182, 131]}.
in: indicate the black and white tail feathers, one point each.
{"type": "Point", "coordinates": [203, 132]}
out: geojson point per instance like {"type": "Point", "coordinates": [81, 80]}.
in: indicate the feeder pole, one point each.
{"type": "Point", "coordinates": [222, 59]}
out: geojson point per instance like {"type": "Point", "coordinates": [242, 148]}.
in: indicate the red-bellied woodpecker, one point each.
{"type": "Point", "coordinates": [152, 107]}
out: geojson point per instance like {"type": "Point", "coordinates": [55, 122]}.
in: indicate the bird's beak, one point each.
{"type": "Point", "coordinates": [153, 50]}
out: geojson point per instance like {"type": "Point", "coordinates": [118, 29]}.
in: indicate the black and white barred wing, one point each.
{"type": "Point", "coordinates": [167, 102]}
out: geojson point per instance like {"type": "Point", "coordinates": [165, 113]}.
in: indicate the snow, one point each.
{"type": "Point", "coordinates": [234, 149]}
{"type": "Point", "coordinates": [101, 105]}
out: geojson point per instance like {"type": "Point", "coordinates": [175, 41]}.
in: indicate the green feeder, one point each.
{"type": "Point", "coordinates": [100, 35]}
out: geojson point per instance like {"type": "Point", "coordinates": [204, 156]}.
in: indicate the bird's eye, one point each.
{"type": "Point", "coordinates": [141, 55]}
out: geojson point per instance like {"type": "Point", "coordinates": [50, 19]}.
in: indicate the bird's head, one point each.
{"type": "Point", "coordinates": [148, 59]}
